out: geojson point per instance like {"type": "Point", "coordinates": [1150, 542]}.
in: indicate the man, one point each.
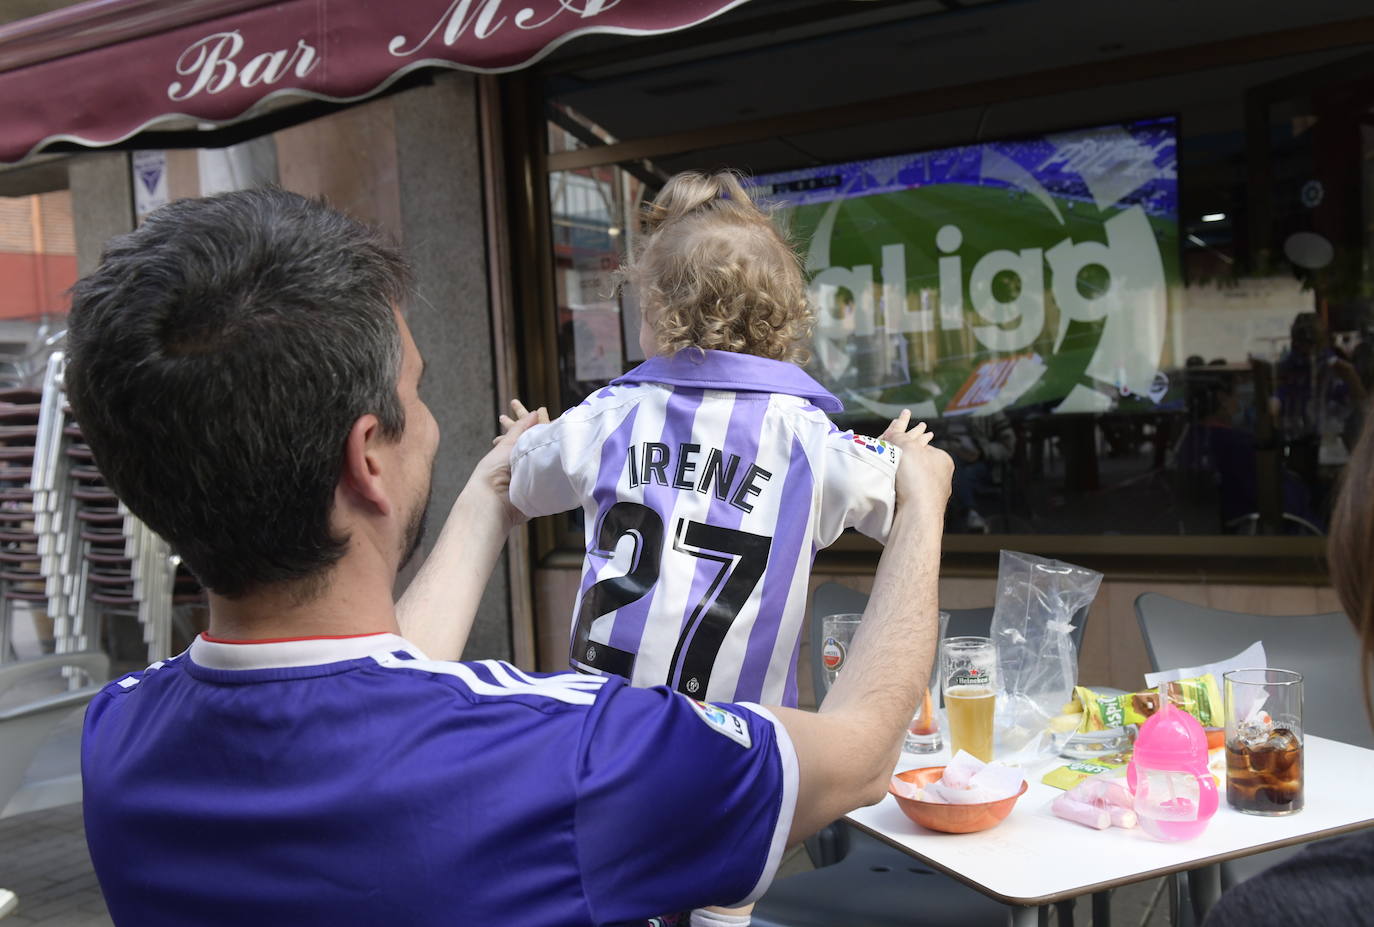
{"type": "Point", "coordinates": [977, 443]}
{"type": "Point", "coordinates": [248, 385]}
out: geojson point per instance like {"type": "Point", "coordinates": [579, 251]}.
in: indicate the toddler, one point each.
{"type": "Point", "coordinates": [709, 474]}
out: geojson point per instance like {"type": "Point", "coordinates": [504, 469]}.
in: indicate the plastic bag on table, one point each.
{"type": "Point", "coordinates": [1037, 601]}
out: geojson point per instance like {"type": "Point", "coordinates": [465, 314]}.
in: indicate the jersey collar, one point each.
{"type": "Point", "coordinates": [308, 651]}
{"type": "Point", "coordinates": [727, 370]}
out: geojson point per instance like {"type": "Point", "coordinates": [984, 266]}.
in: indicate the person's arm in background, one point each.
{"type": "Point", "coordinates": [846, 752]}
{"type": "Point", "coordinates": [437, 610]}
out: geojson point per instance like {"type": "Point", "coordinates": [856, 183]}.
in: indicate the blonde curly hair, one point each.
{"type": "Point", "coordinates": [712, 272]}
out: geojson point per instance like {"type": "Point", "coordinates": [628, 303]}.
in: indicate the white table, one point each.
{"type": "Point", "coordinates": [1034, 858]}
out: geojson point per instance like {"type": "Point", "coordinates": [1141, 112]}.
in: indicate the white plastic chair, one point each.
{"type": "Point", "coordinates": [24, 726]}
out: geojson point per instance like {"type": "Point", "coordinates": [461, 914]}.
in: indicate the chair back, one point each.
{"type": "Point", "coordinates": [24, 726]}
{"type": "Point", "coordinates": [1324, 648]}
{"type": "Point", "coordinates": [835, 599]}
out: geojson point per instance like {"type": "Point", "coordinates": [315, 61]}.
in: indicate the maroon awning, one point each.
{"type": "Point", "coordinates": [99, 72]}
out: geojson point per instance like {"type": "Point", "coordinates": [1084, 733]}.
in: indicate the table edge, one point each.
{"type": "Point", "coordinates": [1039, 900]}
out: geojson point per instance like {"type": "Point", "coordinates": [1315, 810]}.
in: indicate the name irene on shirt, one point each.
{"type": "Point", "coordinates": [651, 461]}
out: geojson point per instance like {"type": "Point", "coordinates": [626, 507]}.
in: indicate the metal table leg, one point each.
{"type": "Point", "coordinates": [1024, 917]}
{"type": "Point", "coordinates": [1102, 908]}
{"type": "Point", "coordinates": [1205, 887]}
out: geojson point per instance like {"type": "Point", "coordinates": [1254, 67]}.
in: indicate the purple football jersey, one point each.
{"type": "Point", "coordinates": [351, 780]}
{"type": "Point", "coordinates": [709, 480]}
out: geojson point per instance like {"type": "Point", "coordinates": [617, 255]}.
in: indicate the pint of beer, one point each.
{"type": "Point", "coordinates": [968, 673]}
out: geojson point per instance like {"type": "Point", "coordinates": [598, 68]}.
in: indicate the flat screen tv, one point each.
{"type": "Point", "coordinates": [1030, 272]}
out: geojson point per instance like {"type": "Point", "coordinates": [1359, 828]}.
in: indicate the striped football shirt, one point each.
{"type": "Point", "coordinates": [709, 480]}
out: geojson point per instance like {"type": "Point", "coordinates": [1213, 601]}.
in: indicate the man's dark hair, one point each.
{"type": "Point", "coordinates": [218, 357]}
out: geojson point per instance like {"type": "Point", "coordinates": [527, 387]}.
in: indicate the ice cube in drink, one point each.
{"type": "Point", "coordinates": [1266, 777]}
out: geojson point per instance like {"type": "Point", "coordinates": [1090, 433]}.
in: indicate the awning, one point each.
{"type": "Point", "coordinates": [100, 72]}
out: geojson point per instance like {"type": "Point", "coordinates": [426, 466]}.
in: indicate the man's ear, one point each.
{"type": "Point", "coordinates": [362, 465]}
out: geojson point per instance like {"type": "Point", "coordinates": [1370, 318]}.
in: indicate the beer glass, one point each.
{"type": "Point", "coordinates": [837, 634]}
{"type": "Point", "coordinates": [968, 674]}
{"type": "Point", "coordinates": [923, 733]}
{"type": "Point", "coordinates": [1264, 741]}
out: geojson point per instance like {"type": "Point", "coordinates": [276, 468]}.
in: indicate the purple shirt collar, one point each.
{"type": "Point", "coordinates": [727, 370]}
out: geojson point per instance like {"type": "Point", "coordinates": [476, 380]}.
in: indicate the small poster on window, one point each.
{"type": "Point", "coordinates": [150, 181]}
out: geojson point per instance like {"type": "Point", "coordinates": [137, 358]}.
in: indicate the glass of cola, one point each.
{"type": "Point", "coordinates": [1264, 741]}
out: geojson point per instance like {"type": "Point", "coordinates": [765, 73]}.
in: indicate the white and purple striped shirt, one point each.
{"type": "Point", "coordinates": [709, 483]}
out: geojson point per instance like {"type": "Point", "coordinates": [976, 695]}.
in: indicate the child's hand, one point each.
{"type": "Point", "coordinates": [516, 406]}
{"type": "Point", "coordinates": [923, 476]}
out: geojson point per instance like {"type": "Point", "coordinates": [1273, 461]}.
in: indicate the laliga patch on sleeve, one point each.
{"type": "Point", "coordinates": [724, 722]}
{"type": "Point", "coordinates": [876, 446]}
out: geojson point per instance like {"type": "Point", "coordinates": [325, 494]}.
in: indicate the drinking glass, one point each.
{"type": "Point", "coordinates": [1264, 741]}
{"type": "Point", "coordinates": [968, 673]}
{"type": "Point", "coordinates": [923, 734]}
{"type": "Point", "coordinates": [837, 633]}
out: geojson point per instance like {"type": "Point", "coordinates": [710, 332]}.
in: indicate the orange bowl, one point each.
{"type": "Point", "coordinates": [951, 819]}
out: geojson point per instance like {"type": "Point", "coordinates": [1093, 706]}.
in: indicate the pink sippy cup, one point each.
{"type": "Point", "coordinates": [1175, 794]}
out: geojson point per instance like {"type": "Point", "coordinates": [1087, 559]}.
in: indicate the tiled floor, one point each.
{"type": "Point", "coordinates": [43, 859]}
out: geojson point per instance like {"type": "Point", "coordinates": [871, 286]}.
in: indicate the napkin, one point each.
{"type": "Point", "coordinates": [967, 780]}
{"type": "Point", "coordinates": [1251, 656]}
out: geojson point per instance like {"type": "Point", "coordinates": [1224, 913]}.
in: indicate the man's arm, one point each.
{"type": "Point", "coordinates": [847, 750]}
{"type": "Point", "coordinates": [438, 607]}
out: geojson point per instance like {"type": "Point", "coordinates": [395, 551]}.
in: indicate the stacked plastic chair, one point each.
{"type": "Point", "coordinates": [21, 576]}
{"type": "Point", "coordinates": [80, 555]}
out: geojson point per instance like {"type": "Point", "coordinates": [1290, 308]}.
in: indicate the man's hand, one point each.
{"type": "Point", "coordinates": [846, 751]}
{"type": "Point", "coordinates": [493, 471]}
{"type": "Point", "coordinates": [925, 471]}
{"type": "Point", "coordinates": [438, 608]}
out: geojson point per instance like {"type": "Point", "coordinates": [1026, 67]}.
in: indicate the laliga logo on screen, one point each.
{"type": "Point", "coordinates": [1132, 306]}
{"type": "Point", "coordinates": [212, 61]}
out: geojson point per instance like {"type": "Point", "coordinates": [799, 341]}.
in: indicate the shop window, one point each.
{"type": "Point", "coordinates": [594, 216]}
{"type": "Point", "coordinates": [37, 267]}
{"type": "Point", "coordinates": [1137, 312]}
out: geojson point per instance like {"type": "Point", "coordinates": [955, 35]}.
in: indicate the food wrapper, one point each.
{"type": "Point", "coordinates": [1066, 777]}
{"type": "Point", "coordinates": [1198, 696]}
{"type": "Point", "coordinates": [1038, 602]}
{"type": "Point", "coordinates": [1099, 801]}
{"type": "Point", "coordinates": [1112, 790]}
{"type": "Point", "coordinates": [1081, 813]}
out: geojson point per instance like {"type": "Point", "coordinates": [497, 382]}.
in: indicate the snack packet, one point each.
{"type": "Point", "coordinates": [1067, 777]}
{"type": "Point", "coordinates": [1198, 696]}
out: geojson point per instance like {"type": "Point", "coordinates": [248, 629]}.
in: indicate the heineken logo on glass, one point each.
{"type": "Point", "coordinates": [832, 654]}
{"type": "Point", "coordinates": [969, 677]}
